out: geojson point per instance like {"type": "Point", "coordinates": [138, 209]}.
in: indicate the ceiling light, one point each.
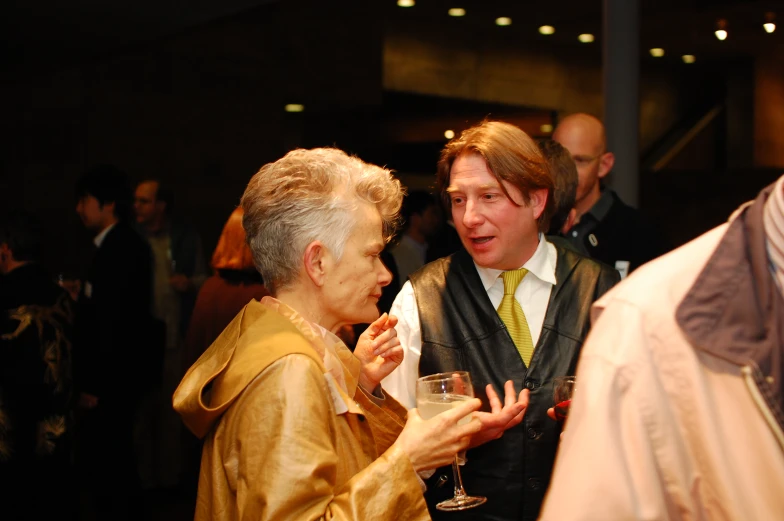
{"type": "Point", "coordinates": [503, 21]}
{"type": "Point", "coordinates": [547, 30]}
{"type": "Point", "coordinates": [294, 107]}
{"type": "Point", "coordinates": [688, 58]}
{"type": "Point", "coordinates": [721, 29]}
{"type": "Point", "coordinates": [546, 128]}
{"type": "Point", "coordinates": [585, 38]}
{"type": "Point", "coordinates": [769, 24]}
{"type": "Point", "coordinates": [406, 3]}
{"type": "Point", "coordinates": [457, 11]}
{"type": "Point", "coordinates": [449, 134]}
{"type": "Point", "coordinates": [657, 52]}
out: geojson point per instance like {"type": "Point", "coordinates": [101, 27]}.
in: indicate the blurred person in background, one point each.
{"type": "Point", "coordinates": [179, 271]}
{"type": "Point", "coordinates": [117, 347]}
{"type": "Point", "coordinates": [605, 228]}
{"type": "Point", "coordinates": [36, 388]}
{"type": "Point", "coordinates": [235, 282]}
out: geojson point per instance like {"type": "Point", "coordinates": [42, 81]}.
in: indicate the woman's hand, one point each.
{"type": "Point", "coordinates": [434, 443]}
{"type": "Point", "coordinates": [379, 350]}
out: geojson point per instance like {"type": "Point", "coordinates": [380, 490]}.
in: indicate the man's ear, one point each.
{"type": "Point", "coordinates": [317, 260]}
{"type": "Point", "coordinates": [606, 163]}
{"type": "Point", "coordinates": [537, 201]}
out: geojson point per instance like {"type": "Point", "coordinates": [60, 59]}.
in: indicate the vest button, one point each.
{"type": "Point", "coordinates": [532, 434]}
{"type": "Point", "coordinates": [530, 385]}
{"type": "Point", "coordinates": [534, 483]}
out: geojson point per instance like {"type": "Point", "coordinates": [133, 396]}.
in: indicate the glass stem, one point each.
{"type": "Point", "coordinates": [459, 490]}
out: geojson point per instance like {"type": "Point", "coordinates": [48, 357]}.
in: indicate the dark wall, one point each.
{"type": "Point", "coordinates": [202, 109]}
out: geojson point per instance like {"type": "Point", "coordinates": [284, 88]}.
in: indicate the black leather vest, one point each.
{"type": "Point", "coordinates": [462, 331]}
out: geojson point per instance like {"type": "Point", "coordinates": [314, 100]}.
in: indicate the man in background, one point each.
{"type": "Point", "coordinates": [115, 346]}
{"type": "Point", "coordinates": [178, 273]}
{"type": "Point", "coordinates": [605, 228]}
{"type": "Point", "coordinates": [422, 220]}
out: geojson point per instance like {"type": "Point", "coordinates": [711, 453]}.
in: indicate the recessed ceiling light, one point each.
{"type": "Point", "coordinates": [449, 134]}
{"type": "Point", "coordinates": [406, 3]}
{"type": "Point", "coordinates": [585, 38]}
{"type": "Point", "coordinates": [546, 128]}
{"type": "Point", "coordinates": [688, 58]}
{"type": "Point", "coordinates": [721, 29]}
{"type": "Point", "coordinates": [657, 52]}
{"type": "Point", "coordinates": [546, 30]}
{"type": "Point", "coordinates": [457, 11]}
{"type": "Point", "coordinates": [503, 21]}
{"type": "Point", "coordinates": [294, 107]}
{"type": "Point", "coordinates": [769, 25]}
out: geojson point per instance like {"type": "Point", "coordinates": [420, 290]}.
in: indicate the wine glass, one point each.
{"type": "Point", "coordinates": [563, 389]}
{"type": "Point", "coordinates": [439, 393]}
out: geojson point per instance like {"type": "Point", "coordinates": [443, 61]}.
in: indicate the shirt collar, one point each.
{"type": "Point", "coordinates": [541, 265]}
{"type": "Point", "coordinates": [101, 236]}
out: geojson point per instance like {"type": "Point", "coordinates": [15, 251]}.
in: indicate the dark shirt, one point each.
{"type": "Point", "coordinates": [616, 234]}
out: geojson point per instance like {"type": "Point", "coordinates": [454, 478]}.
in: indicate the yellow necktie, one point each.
{"type": "Point", "coordinates": [512, 314]}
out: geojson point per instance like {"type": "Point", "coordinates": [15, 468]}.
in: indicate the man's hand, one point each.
{"type": "Point", "coordinates": [551, 414]}
{"type": "Point", "coordinates": [500, 418]}
{"type": "Point", "coordinates": [180, 282]}
{"type": "Point", "coordinates": [434, 443]}
{"type": "Point", "coordinates": [379, 350]}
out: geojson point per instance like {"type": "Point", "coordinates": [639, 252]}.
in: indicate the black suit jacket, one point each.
{"type": "Point", "coordinates": [115, 332]}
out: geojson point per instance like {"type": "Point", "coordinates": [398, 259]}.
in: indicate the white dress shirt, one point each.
{"type": "Point", "coordinates": [533, 294]}
{"type": "Point", "coordinates": [98, 240]}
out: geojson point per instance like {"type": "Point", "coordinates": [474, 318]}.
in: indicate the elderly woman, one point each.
{"type": "Point", "coordinates": [296, 427]}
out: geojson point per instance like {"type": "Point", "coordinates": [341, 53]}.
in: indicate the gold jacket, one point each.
{"type": "Point", "coordinates": [289, 433]}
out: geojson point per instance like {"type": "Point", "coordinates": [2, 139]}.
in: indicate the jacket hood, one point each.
{"type": "Point", "coordinates": [257, 337]}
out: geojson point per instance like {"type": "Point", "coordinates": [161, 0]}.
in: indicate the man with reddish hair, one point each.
{"type": "Point", "coordinates": [510, 307]}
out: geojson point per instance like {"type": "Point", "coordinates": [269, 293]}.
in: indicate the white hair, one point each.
{"type": "Point", "coordinates": [310, 195]}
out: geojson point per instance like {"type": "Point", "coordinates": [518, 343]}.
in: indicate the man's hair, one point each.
{"type": "Point", "coordinates": [310, 195]}
{"type": "Point", "coordinates": [232, 251]}
{"type": "Point", "coordinates": [108, 184]}
{"type": "Point", "coordinates": [416, 202]}
{"type": "Point", "coordinates": [511, 156]}
{"type": "Point", "coordinates": [23, 233]}
{"type": "Point", "coordinates": [564, 172]}
{"type": "Point", "coordinates": [164, 193]}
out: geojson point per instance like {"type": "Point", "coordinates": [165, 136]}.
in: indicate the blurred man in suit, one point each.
{"type": "Point", "coordinates": [114, 344]}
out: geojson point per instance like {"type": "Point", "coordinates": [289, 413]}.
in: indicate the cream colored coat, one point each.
{"type": "Point", "coordinates": [289, 433]}
{"type": "Point", "coordinates": [659, 430]}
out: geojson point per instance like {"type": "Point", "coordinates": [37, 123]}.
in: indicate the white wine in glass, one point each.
{"type": "Point", "coordinates": [439, 393]}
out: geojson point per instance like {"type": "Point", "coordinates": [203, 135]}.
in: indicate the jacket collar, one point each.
{"type": "Point", "coordinates": [734, 310]}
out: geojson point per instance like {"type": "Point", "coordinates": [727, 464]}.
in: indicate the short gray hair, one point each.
{"type": "Point", "coordinates": [310, 195]}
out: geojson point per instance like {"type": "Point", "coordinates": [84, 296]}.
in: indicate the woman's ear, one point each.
{"type": "Point", "coordinates": [317, 261]}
